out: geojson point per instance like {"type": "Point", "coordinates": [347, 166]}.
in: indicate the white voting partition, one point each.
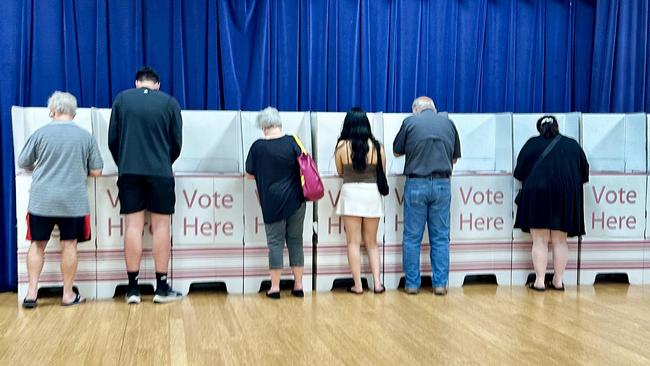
{"type": "Point", "coordinates": [101, 118]}
{"type": "Point", "coordinates": [208, 225]}
{"type": "Point", "coordinates": [484, 140]}
{"type": "Point", "coordinates": [392, 124]}
{"type": "Point", "coordinates": [51, 276]}
{"type": "Point", "coordinates": [331, 252]}
{"type": "Point", "coordinates": [256, 262]}
{"type": "Point", "coordinates": [646, 256]}
{"type": "Point", "coordinates": [523, 128]}
{"type": "Point", "coordinates": [26, 120]}
{"type": "Point", "coordinates": [111, 227]}
{"type": "Point", "coordinates": [615, 197]}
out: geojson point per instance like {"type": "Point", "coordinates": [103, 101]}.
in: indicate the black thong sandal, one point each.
{"type": "Point", "coordinates": [551, 286]}
{"type": "Point", "coordinates": [77, 300]}
{"type": "Point", "coordinates": [273, 295]}
{"type": "Point", "coordinates": [298, 293]}
{"type": "Point", "coordinates": [30, 303]}
{"type": "Point", "coordinates": [531, 285]}
{"type": "Point", "coordinates": [352, 291]}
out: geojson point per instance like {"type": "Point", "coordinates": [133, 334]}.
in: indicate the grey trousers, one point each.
{"type": "Point", "coordinates": [289, 230]}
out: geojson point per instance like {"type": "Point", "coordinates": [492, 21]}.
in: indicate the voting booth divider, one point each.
{"type": "Point", "coordinates": [615, 197]}
{"type": "Point", "coordinates": [523, 128]}
{"type": "Point", "coordinates": [218, 231]}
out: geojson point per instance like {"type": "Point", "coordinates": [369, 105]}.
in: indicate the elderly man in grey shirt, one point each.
{"type": "Point", "coordinates": [61, 155]}
{"type": "Point", "coordinates": [431, 145]}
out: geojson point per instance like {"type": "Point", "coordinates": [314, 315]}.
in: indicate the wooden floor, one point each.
{"type": "Point", "coordinates": [604, 324]}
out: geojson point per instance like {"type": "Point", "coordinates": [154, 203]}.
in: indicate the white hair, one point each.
{"type": "Point", "coordinates": [268, 117]}
{"type": "Point", "coordinates": [423, 103]}
{"type": "Point", "coordinates": [62, 103]}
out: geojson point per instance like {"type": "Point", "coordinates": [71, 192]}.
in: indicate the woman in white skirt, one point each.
{"type": "Point", "coordinates": [360, 203]}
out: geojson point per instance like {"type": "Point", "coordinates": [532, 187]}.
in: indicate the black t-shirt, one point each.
{"type": "Point", "coordinates": [145, 133]}
{"type": "Point", "coordinates": [274, 163]}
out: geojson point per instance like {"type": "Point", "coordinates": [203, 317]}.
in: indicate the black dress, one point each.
{"type": "Point", "coordinates": [552, 196]}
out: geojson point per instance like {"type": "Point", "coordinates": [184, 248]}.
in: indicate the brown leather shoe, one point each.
{"type": "Point", "coordinates": [440, 291]}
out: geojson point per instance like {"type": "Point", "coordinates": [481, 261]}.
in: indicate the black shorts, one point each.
{"type": "Point", "coordinates": [70, 228]}
{"type": "Point", "coordinates": [140, 192]}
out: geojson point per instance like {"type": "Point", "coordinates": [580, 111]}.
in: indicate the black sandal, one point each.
{"type": "Point", "coordinates": [551, 286]}
{"type": "Point", "coordinates": [383, 289]}
{"type": "Point", "coordinates": [531, 285]}
{"type": "Point", "coordinates": [351, 290]}
{"type": "Point", "coordinates": [273, 295]}
{"type": "Point", "coordinates": [298, 293]}
{"type": "Point", "coordinates": [77, 300]}
{"type": "Point", "coordinates": [30, 303]}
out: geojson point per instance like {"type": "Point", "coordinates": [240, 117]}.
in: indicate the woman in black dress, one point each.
{"type": "Point", "coordinates": [550, 206]}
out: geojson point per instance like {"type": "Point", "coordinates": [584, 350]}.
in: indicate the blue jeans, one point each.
{"type": "Point", "coordinates": [426, 201]}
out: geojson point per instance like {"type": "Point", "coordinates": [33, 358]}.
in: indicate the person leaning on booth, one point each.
{"type": "Point", "coordinates": [62, 155]}
{"type": "Point", "coordinates": [550, 206]}
{"type": "Point", "coordinates": [431, 145]}
{"type": "Point", "coordinates": [360, 205]}
{"type": "Point", "coordinates": [145, 138]}
{"type": "Point", "coordinates": [273, 162]}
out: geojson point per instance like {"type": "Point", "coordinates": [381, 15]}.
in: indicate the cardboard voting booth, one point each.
{"type": "Point", "coordinates": [646, 256]}
{"type": "Point", "coordinates": [331, 251]}
{"type": "Point", "coordinates": [256, 261]}
{"type": "Point", "coordinates": [524, 127]}
{"type": "Point", "coordinates": [25, 121]}
{"type": "Point", "coordinates": [208, 225]}
{"type": "Point", "coordinates": [615, 197]}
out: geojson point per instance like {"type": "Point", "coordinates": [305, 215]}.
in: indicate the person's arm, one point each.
{"type": "Point", "coordinates": [95, 162]}
{"type": "Point", "coordinates": [28, 155]}
{"type": "Point", "coordinates": [250, 163]}
{"type": "Point", "coordinates": [383, 157]}
{"type": "Point", "coordinates": [584, 166]}
{"type": "Point", "coordinates": [399, 144]}
{"type": "Point", "coordinates": [338, 157]}
{"type": "Point", "coordinates": [456, 154]}
{"type": "Point", "coordinates": [114, 131]}
{"type": "Point", "coordinates": [176, 133]}
{"type": "Point", "coordinates": [521, 168]}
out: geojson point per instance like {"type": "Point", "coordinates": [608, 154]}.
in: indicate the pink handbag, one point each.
{"type": "Point", "coordinates": [312, 185]}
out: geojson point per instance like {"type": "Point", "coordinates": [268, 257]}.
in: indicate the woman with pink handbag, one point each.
{"type": "Point", "coordinates": [273, 162]}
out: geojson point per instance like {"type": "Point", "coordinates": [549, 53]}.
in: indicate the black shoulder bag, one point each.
{"type": "Point", "coordinates": [537, 164]}
{"type": "Point", "coordinates": [382, 182]}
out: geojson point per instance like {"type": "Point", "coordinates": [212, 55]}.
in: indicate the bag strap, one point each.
{"type": "Point", "coordinates": [544, 153]}
{"type": "Point", "coordinates": [302, 148]}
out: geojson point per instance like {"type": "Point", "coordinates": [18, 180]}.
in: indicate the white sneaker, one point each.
{"type": "Point", "coordinates": [165, 296]}
{"type": "Point", "coordinates": [133, 297]}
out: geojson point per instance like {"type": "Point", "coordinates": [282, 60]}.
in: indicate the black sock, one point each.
{"type": "Point", "coordinates": [161, 281]}
{"type": "Point", "coordinates": [133, 279]}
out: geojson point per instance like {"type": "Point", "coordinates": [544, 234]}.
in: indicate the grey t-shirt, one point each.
{"type": "Point", "coordinates": [430, 142]}
{"type": "Point", "coordinates": [61, 155]}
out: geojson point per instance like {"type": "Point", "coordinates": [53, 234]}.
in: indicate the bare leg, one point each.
{"type": "Point", "coordinates": [133, 240]}
{"type": "Point", "coordinates": [352, 226]}
{"type": "Point", "coordinates": [68, 268]}
{"type": "Point", "coordinates": [297, 277]}
{"type": "Point", "coordinates": [560, 256]}
{"type": "Point", "coordinates": [370, 226]}
{"type": "Point", "coordinates": [35, 260]}
{"type": "Point", "coordinates": [540, 254]}
{"type": "Point", "coordinates": [161, 241]}
{"type": "Point", "coordinates": [275, 280]}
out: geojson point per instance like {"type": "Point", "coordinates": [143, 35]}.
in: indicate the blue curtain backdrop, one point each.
{"type": "Point", "coordinates": [469, 55]}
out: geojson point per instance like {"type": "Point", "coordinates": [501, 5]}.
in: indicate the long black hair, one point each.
{"type": "Point", "coordinates": [356, 129]}
{"type": "Point", "coordinates": [548, 127]}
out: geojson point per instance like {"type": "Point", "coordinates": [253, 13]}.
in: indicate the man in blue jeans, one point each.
{"type": "Point", "coordinates": [430, 142]}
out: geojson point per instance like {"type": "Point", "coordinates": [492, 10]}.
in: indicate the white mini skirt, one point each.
{"type": "Point", "coordinates": [360, 199]}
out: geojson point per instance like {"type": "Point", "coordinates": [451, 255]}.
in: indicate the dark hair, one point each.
{"type": "Point", "coordinates": [356, 129]}
{"type": "Point", "coordinates": [548, 127]}
{"type": "Point", "coordinates": [147, 73]}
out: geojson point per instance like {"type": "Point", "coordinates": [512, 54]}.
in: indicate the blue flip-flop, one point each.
{"type": "Point", "coordinates": [30, 303]}
{"type": "Point", "coordinates": [77, 300]}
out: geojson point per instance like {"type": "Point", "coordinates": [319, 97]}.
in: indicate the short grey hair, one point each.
{"type": "Point", "coordinates": [268, 117]}
{"type": "Point", "coordinates": [62, 103]}
{"type": "Point", "coordinates": [423, 103]}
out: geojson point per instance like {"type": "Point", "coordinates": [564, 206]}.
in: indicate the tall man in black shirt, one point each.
{"type": "Point", "coordinates": [145, 137]}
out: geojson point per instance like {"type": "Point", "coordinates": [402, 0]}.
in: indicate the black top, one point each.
{"type": "Point", "coordinates": [145, 132]}
{"type": "Point", "coordinates": [274, 163]}
{"type": "Point", "coordinates": [430, 142]}
{"type": "Point", "coordinates": [552, 196]}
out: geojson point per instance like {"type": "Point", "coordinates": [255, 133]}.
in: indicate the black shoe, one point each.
{"type": "Point", "coordinates": [166, 295]}
{"type": "Point", "coordinates": [531, 285]}
{"type": "Point", "coordinates": [298, 293]}
{"type": "Point", "coordinates": [30, 303]}
{"type": "Point", "coordinates": [551, 286]}
{"type": "Point", "coordinates": [383, 289]}
{"type": "Point", "coordinates": [274, 295]}
{"type": "Point", "coordinates": [133, 296]}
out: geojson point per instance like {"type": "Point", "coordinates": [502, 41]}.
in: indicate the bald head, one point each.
{"type": "Point", "coordinates": [421, 104]}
